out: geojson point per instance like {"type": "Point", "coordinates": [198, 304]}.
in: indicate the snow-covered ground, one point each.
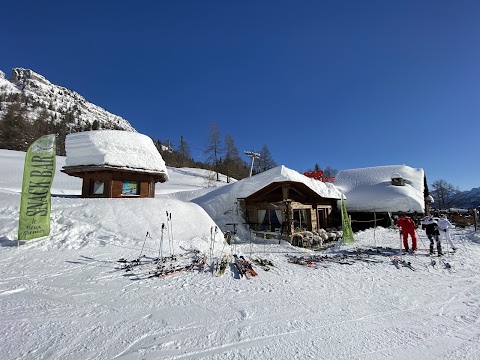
{"type": "Point", "coordinates": [66, 297]}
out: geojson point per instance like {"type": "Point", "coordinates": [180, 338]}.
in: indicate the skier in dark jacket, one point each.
{"type": "Point", "coordinates": [407, 226]}
{"type": "Point", "coordinates": [431, 229]}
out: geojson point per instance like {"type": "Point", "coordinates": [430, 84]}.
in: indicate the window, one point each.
{"type": "Point", "coordinates": [130, 188]}
{"type": "Point", "coordinates": [398, 180]}
{"type": "Point", "coordinates": [269, 220]}
{"type": "Point", "coordinates": [98, 187]}
{"type": "Point", "coordinates": [301, 217]}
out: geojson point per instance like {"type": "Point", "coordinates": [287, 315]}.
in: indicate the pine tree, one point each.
{"type": "Point", "coordinates": [15, 130]}
{"type": "Point", "coordinates": [184, 152]}
{"type": "Point", "coordinates": [266, 161]}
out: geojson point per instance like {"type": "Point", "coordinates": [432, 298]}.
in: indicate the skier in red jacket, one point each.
{"type": "Point", "coordinates": [407, 226]}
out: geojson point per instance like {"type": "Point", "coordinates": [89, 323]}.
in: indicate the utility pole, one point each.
{"type": "Point", "coordinates": [253, 155]}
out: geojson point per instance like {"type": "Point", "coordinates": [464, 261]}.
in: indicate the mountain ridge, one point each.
{"type": "Point", "coordinates": [40, 98]}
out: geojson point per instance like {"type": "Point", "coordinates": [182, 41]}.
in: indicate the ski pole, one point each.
{"type": "Point", "coordinates": [446, 241]}
{"type": "Point", "coordinates": [171, 233]}
{"type": "Point", "coordinates": [463, 242]}
{"type": "Point", "coordinates": [160, 253]}
{"type": "Point", "coordinates": [141, 251]}
{"type": "Point", "coordinates": [223, 248]}
{"type": "Point", "coordinates": [401, 246]}
{"type": "Point", "coordinates": [211, 248]}
{"type": "Point", "coordinates": [418, 235]}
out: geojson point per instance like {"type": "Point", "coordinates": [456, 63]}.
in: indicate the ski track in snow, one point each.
{"type": "Point", "coordinates": [330, 312]}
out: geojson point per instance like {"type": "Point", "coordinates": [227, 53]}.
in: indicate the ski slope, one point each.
{"type": "Point", "coordinates": [66, 296]}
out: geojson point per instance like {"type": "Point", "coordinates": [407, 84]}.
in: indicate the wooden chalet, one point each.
{"type": "Point", "coordinates": [105, 181]}
{"type": "Point", "coordinates": [287, 207]}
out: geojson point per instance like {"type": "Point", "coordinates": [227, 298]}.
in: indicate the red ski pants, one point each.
{"type": "Point", "coordinates": [411, 232]}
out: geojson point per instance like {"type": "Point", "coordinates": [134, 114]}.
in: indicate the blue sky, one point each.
{"type": "Point", "coordinates": [346, 84]}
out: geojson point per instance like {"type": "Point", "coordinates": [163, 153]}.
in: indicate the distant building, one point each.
{"type": "Point", "coordinates": [376, 194]}
{"type": "Point", "coordinates": [114, 164]}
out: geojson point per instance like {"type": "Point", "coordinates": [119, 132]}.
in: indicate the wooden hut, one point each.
{"type": "Point", "coordinates": [288, 207]}
{"type": "Point", "coordinates": [114, 164]}
{"type": "Point", "coordinates": [113, 182]}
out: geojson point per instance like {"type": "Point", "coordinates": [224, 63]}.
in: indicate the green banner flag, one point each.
{"type": "Point", "coordinates": [346, 226]}
{"type": "Point", "coordinates": [38, 173]}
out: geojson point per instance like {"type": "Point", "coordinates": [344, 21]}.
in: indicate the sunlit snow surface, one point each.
{"type": "Point", "coordinates": [64, 296]}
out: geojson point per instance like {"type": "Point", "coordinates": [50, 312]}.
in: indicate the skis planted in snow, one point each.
{"type": "Point", "coordinates": [223, 265]}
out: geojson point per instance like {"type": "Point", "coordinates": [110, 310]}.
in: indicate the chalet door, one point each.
{"type": "Point", "coordinates": [321, 218]}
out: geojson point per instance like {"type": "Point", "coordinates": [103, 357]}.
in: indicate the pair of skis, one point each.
{"type": "Point", "coordinates": [399, 262]}
{"type": "Point", "coordinates": [445, 263]}
{"type": "Point", "coordinates": [265, 264]}
{"type": "Point", "coordinates": [164, 269]}
{"type": "Point", "coordinates": [129, 264]}
{"type": "Point", "coordinates": [244, 267]}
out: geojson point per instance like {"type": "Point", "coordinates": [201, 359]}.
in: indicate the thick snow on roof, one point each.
{"type": "Point", "coordinates": [280, 174]}
{"type": "Point", "coordinates": [116, 148]}
{"type": "Point", "coordinates": [369, 189]}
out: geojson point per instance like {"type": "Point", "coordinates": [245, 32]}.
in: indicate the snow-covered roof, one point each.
{"type": "Point", "coordinates": [217, 203]}
{"type": "Point", "coordinates": [248, 186]}
{"type": "Point", "coordinates": [370, 189]}
{"type": "Point", "coordinates": [116, 148]}
{"type": "Point", "coordinates": [281, 173]}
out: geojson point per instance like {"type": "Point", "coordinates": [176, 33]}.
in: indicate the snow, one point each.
{"type": "Point", "coordinates": [117, 148]}
{"type": "Point", "coordinates": [370, 189]}
{"type": "Point", "coordinates": [64, 296]}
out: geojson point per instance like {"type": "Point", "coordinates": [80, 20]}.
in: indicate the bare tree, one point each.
{"type": "Point", "coordinates": [442, 193]}
{"type": "Point", "coordinates": [214, 148]}
{"type": "Point", "coordinates": [233, 165]}
{"type": "Point", "coordinates": [329, 172]}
